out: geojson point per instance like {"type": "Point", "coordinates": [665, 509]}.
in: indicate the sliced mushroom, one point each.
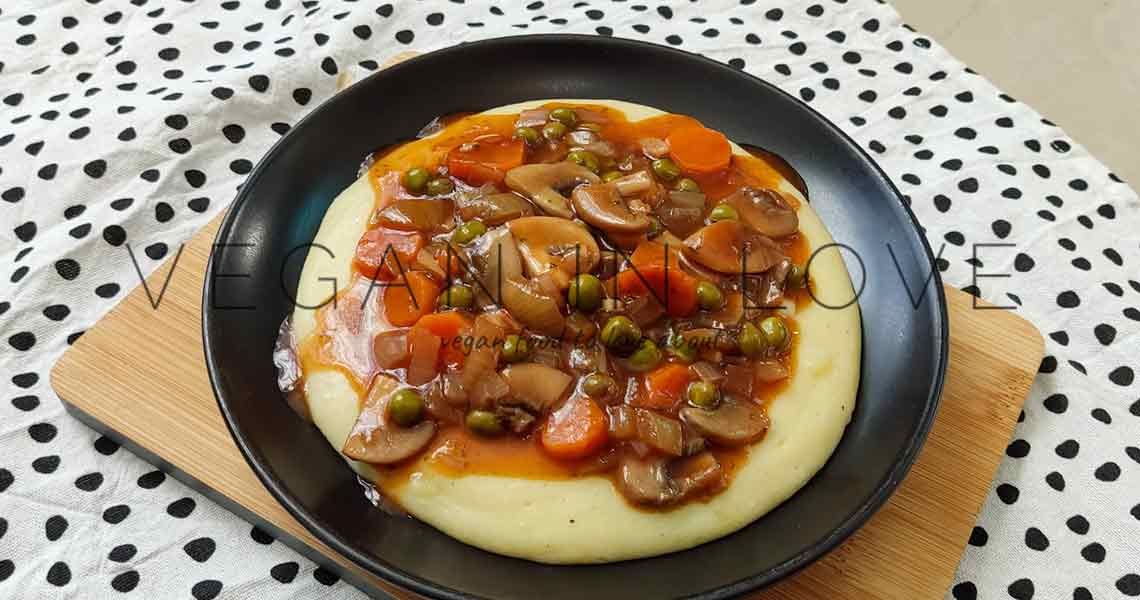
{"type": "Point", "coordinates": [495, 258]}
{"type": "Point", "coordinates": [549, 242]}
{"type": "Point", "coordinates": [601, 205]}
{"type": "Point", "coordinates": [536, 386]}
{"type": "Point", "coordinates": [682, 213]}
{"type": "Point", "coordinates": [765, 210]}
{"type": "Point", "coordinates": [733, 423]}
{"type": "Point", "coordinates": [732, 247]}
{"type": "Point", "coordinates": [494, 209]}
{"type": "Point", "coordinates": [645, 480]}
{"type": "Point", "coordinates": [434, 216]}
{"type": "Point", "coordinates": [657, 481]}
{"type": "Point", "coordinates": [376, 440]}
{"type": "Point", "coordinates": [542, 182]}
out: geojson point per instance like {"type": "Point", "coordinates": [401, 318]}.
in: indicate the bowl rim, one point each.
{"type": "Point", "coordinates": [393, 575]}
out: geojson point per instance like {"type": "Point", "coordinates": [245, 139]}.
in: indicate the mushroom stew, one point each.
{"type": "Point", "coordinates": [564, 293]}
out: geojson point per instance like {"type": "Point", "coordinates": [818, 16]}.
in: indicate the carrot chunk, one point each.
{"type": "Point", "coordinates": [450, 327]}
{"type": "Point", "coordinates": [576, 430]}
{"type": "Point", "coordinates": [673, 287]}
{"type": "Point", "coordinates": [485, 161]}
{"type": "Point", "coordinates": [380, 248]}
{"type": "Point", "coordinates": [650, 252]}
{"type": "Point", "coordinates": [665, 386]}
{"type": "Point", "coordinates": [699, 150]}
{"type": "Point", "coordinates": [405, 304]}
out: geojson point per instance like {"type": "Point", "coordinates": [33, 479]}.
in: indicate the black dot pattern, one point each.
{"type": "Point", "coordinates": [185, 101]}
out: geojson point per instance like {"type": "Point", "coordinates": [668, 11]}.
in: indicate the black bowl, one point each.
{"type": "Point", "coordinates": [254, 270]}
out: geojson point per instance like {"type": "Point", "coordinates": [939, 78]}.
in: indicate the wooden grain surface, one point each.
{"type": "Point", "coordinates": [141, 372]}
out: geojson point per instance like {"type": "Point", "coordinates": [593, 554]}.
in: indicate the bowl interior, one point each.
{"type": "Point", "coordinates": [280, 207]}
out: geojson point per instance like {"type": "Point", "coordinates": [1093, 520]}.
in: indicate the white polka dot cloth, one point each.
{"type": "Point", "coordinates": [131, 123]}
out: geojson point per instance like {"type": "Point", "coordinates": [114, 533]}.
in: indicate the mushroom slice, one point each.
{"type": "Point", "coordinates": [601, 205]}
{"type": "Point", "coordinates": [645, 480]}
{"type": "Point", "coordinates": [695, 474]}
{"type": "Point", "coordinates": [765, 210]}
{"type": "Point", "coordinates": [549, 242]}
{"type": "Point", "coordinates": [732, 247]}
{"type": "Point", "coordinates": [542, 182]}
{"type": "Point", "coordinates": [536, 386]}
{"type": "Point", "coordinates": [376, 440]}
{"type": "Point", "coordinates": [733, 423]}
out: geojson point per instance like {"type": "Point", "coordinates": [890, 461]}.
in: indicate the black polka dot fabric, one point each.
{"type": "Point", "coordinates": [127, 126]}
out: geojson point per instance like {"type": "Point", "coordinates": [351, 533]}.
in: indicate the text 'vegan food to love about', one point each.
{"type": "Point", "coordinates": [575, 331]}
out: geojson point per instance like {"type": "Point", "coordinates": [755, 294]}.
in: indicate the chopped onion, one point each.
{"type": "Point", "coordinates": [586, 115]}
{"type": "Point", "coordinates": [487, 340]}
{"type": "Point", "coordinates": [427, 262]}
{"type": "Point", "coordinates": [391, 348]}
{"type": "Point", "coordinates": [659, 432]}
{"type": "Point", "coordinates": [488, 389]}
{"type": "Point", "coordinates": [634, 183]}
{"type": "Point", "coordinates": [768, 371]}
{"type": "Point", "coordinates": [708, 372]}
{"type": "Point", "coordinates": [581, 137]}
{"type": "Point", "coordinates": [532, 118]}
{"type": "Point", "coordinates": [623, 425]}
{"type": "Point", "coordinates": [434, 216]}
{"type": "Point", "coordinates": [654, 147]}
{"type": "Point", "coordinates": [534, 309]}
{"type": "Point", "coordinates": [601, 148]}
{"type": "Point", "coordinates": [423, 346]}
{"type": "Point", "coordinates": [739, 381]}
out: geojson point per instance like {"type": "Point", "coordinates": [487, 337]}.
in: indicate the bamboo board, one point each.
{"type": "Point", "coordinates": [139, 376]}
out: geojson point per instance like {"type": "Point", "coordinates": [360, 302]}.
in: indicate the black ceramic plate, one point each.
{"type": "Point", "coordinates": [281, 206]}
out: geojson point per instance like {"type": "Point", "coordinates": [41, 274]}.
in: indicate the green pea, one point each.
{"type": "Point", "coordinates": [597, 385]}
{"type": "Point", "coordinates": [416, 179]}
{"type": "Point", "coordinates": [484, 422]}
{"type": "Point", "coordinates": [687, 185]}
{"type": "Point", "coordinates": [467, 232]}
{"type": "Point", "coordinates": [553, 131]}
{"type": "Point", "coordinates": [709, 296]}
{"type": "Point", "coordinates": [681, 348]}
{"type": "Point", "coordinates": [528, 135]}
{"type": "Point", "coordinates": [406, 407]}
{"type": "Point", "coordinates": [515, 348]}
{"type": "Point", "coordinates": [609, 176]}
{"type": "Point", "coordinates": [723, 212]}
{"type": "Point", "coordinates": [620, 334]}
{"type": "Point", "coordinates": [703, 394]}
{"type": "Point", "coordinates": [566, 116]}
{"type": "Point", "coordinates": [645, 357]}
{"type": "Point", "coordinates": [795, 278]}
{"type": "Point", "coordinates": [751, 341]}
{"type": "Point", "coordinates": [775, 332]}
{"type": "Point", "coordinates": [585, 293]}
{"type": "Point", "coordinates": [584, 158]}
{"type": "Point", "coordinates": [457, 296]}
{"type": "Point", "coordinates": [665, 169]}
{"type": "Point", "coordinates": [439, 186]}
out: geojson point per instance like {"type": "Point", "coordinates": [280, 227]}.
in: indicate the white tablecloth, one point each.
{"type": "Point", "coordinates": [132, 123]}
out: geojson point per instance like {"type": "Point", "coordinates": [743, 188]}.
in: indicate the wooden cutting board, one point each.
{"type": "Point", "coordinates": [139, 376]}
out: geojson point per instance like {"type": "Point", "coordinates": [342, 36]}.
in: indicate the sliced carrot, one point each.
{"type": "Point", "coordinates": [650, 252]}
{"type": "Point", "coordinates": [380, 248]}
{"type": "Point", "coordinates": [485, 161]}
{"type": "Point", "coordinates": [406, 301]}
{"type": "Point", "coordinates": [699, 149]}
{"type": "Point", "coordinates": [673, 287]}
{"type": "Point", "coordinates": [576, 430]}
{"type": "Point", "coordinates": [450, 327]}
{"type": "Point", "coordinates": [665, 386]}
